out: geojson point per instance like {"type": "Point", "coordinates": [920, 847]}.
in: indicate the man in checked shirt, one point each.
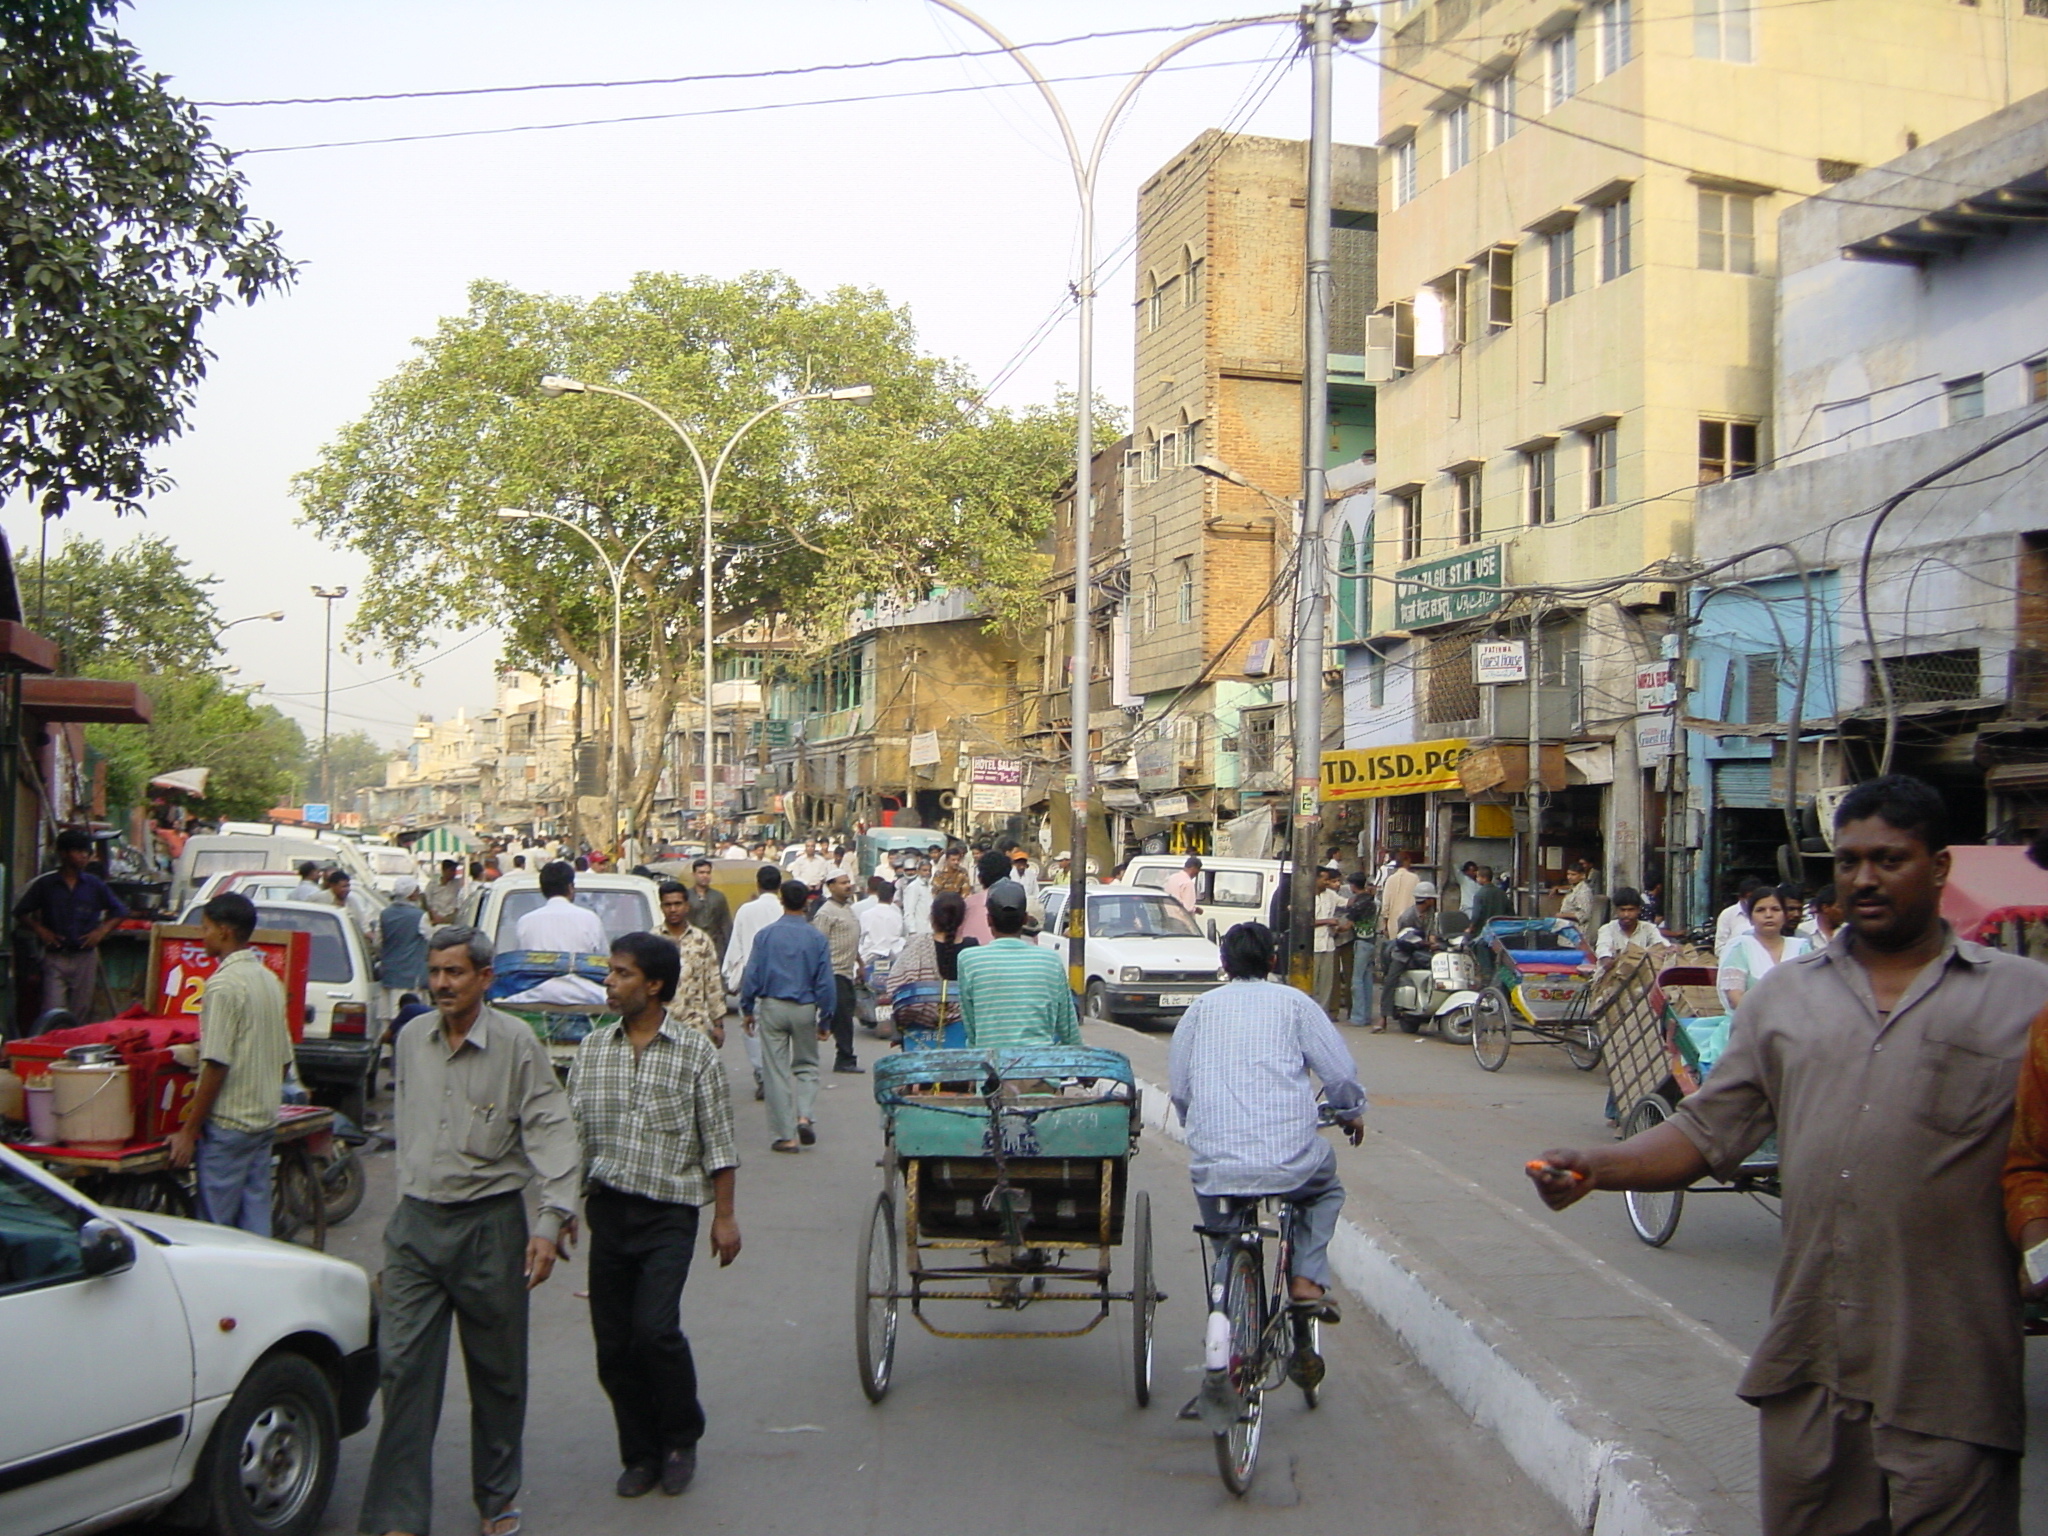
{"type": "Point", "coordinates": [655, 1119]}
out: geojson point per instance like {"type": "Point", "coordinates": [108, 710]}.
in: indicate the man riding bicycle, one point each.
{"type": "Point", "coordinates": [1240, 1075]}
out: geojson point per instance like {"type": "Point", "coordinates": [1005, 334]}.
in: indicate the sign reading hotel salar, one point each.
{"type": "Point", "coordinates": [1448, 591]}
{"type": "Point", "coordinates": [1376, 771]}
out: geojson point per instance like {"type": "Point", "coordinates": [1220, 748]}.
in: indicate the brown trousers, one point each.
{"type": "Point", "coordinates": [1831, 1469]}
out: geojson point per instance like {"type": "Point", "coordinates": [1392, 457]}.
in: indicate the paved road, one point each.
{"type": "Point", "coordinates": [1044, 1434]}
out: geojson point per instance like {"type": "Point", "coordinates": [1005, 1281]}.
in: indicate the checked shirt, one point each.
{"type": "Point", "coordinates": [657, 1125]}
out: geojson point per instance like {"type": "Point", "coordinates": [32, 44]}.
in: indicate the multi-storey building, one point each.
{"type": "Point", "coordinates": [1579, 234]}
{"type": "Point", "coordinates": [1218, 386]}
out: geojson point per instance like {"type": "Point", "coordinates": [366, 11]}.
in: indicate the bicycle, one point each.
{"type": "Point", "coordinates": [1257, 1338]}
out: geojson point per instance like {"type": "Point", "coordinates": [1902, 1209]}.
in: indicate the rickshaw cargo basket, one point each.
{"type": "Point", "coordinates": [1058, 1200]}
{"type": "Point", "coordinates": [1047, 1102]}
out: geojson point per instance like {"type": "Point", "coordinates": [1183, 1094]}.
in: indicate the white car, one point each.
{"type": "Point", "coordinates": [1147, 957]}
{"type": "Point", "coordinates": [161, 1365]}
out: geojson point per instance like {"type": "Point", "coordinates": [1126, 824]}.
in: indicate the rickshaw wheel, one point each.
{"type": "Point", "coordinates": [1144, 1296]}
{"type": "Point", "coordinates": [1653, 1213]}
{"type": "Point", "coordinates": [874, 1324]}
{"type": "Point", "coordinates": [1493, 1030]}
{"type": "Point", "coordinates": [1581, 1042]}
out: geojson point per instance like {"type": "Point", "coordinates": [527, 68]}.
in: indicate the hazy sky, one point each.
{"type": "Point", "coordinates": [959, 205]}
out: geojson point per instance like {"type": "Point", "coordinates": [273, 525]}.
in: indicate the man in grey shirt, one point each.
{"type": "Point", "coordinates": [835, 919]}
{"type": "Point", "coordinates": [1890, 1378]}
{"type": "Point", "coordinates": [481, 1122]}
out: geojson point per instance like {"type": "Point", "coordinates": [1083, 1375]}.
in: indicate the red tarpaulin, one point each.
{"type": "Point", "coordinates": [1988, 886]}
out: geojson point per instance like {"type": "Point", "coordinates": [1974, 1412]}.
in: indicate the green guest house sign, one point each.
{"type": "Point", "coordinates": [1448, 591]}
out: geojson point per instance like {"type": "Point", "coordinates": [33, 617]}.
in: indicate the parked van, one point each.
{"type": "Point", "coordinates": [210, 853]}
{"type": "Point", "coordinates": [1228, 891]}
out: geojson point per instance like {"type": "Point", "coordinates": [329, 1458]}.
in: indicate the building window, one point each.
{"type": "Point", "coordinates": [1376, 679]}
{"type": "Point", "coordinates": [1457, 123]}
{"type": "Point", "coordinates": [1727, 232]}
{"type": "Point", "coordinates": [1560, 69]}
{"type": "Point", "coordinates": [1499, 99]}
{"type": "Point", "coordinates": [1964, 398]}
{"type": "Point", "coordinates": [1561, 247]}
{"type": "Point", "coordinates": [1539, 484]}
{"type": "Point", "coordinates": [2037, 373]}
{"type": "Point", "coordinates": [1727, 450]}
{"type": "Point", "coordinates": [1186, 604]}
{"type": "Point", "coordinates": [1613, 27]}
{"type": "Point", "coordinates": [1403, 315]}
{"type": "Point", "coordinates": [1471, 506]}
{"type": "Point", "coordinates": [1723, 29]}
{"type": "Point", "coordinates": [1760, 689]}
{"type": "Point", "coordinates": [1928, 677]}
{"type": "Point", "coordinates": [1155, 302]}
{"type": "Point", "coordinates": [1410, 503]}
{"type": "Point", "coordinates": [1354, 560]}
{"type": "Point", "coordinates": [1169, 450]}
{"type": "Point", "coordinates": [1615, 218]}
{"type": "Point", "coordinates": [1149, 613]}
{"type": "Point", "coordinates": [1151, 461]}
{"type": "Point", "coordinates": [1190, 442]}
{"type": "Point", "coordinates": [1404, 173]}
{"type": "Point", "coordinates": [1602, 457]}
{"type": "Point", "coordinates": [1191, 279]}
{"type": "Point", "coordinates": [1500, 287]}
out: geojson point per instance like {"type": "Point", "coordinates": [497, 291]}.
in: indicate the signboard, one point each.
{"type": "Point", "coordinates": [1655, 686]}
{"type": "Point", "coordinates": [1449, 591]}
{"type": "Point", "coordinates": [774, 732]}
{"type": "Point", "coordinates": [1655, 736]}
{"type": "Point", "coordinates": [179, 966]}
{"type": "Point", "coordinates": [924, 749]}
{"type": "Point", "coordinates": [1172, 805]}
{"type": "Point", "coordinates": [1158, 764]}
{"type": "Point", "coordinates": [1306, 807]}
{"type": "Point", "coordinates": [1410, 770]}
{"type": "Point", "coordinates": [995, 784]}
{"type": "Point", "coordinates": [316, 815]}
{"type": "Point", "coordinates": [1500, 661]}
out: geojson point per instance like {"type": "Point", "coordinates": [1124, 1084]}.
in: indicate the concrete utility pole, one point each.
{"type": "Point", "coordinates": [330, 598]}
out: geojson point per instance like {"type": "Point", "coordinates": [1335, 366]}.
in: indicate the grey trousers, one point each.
{"type": "Point", "coordinates": [68, 979]}
{"type": "Point", "coordinates": [443, 1263]}
{"type": "Point", "coordinates": [789, 1062]}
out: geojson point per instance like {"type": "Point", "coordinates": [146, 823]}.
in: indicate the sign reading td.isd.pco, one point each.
{"type": "Point", "coordinates": [1411, 770]}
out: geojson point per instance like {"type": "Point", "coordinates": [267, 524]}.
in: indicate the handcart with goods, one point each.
{"type": "Point", "coordinates": [1661, 1041]}
{"type": "Point", "coordinates": [1009, 1173]}
{"type": "Point", "coordinates": [1540, 991]}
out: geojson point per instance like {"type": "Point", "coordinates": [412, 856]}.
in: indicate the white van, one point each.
{"type": "Point", "coordinates": [1227, 891]}
{"type": "Point", "coordinates": [623, 903]}
{"type": "Point", "coordinates": [211, 853]}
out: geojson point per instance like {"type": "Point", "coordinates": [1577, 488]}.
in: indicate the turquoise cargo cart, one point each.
{"type": "Point", "coordinates": [1009, 1173]}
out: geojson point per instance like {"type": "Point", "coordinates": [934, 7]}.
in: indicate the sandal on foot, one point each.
{"type": "Point", "coordinates": [807, 1133]}
{"type": "Point", "coordinates": [784, 1146]}
{"type": "Point", "coordinates": [490, 1527]}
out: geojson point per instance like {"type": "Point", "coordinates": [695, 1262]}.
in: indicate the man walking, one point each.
{"type": "Point", "coordinates": [914, 896]}
{"type": "Point", "coordinates": [245, 1044]}
{"type": "Point", "coordinates": [70, 910]}
{"type": "Point", "coordinates": [835, 920]}
{"type": "Point", "coordinates": [402, 945]}
{"type": "Point", "coordinates": [1013, 992]}
{"type": "Point", "coordinates": [752, 917]}
{"type": "Point", "coordinates": [1890, 1378]}
{"type": "Point", "coordinates": [655, 1123]}
{"type": "Point", "coordinates": [708, 908]}
{"type": "Point", "coordinates": [697, 1000]}
{"type": "Point", "coordinates": [481, 1124]}
{"type": "Point", "coordinates": [790, 986]}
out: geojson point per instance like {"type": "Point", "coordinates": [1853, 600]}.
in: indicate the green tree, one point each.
{"type": "Point", "coordinates": [821, 505]}
{"type": "Point", "coordinates": [122, 226]}
{"type": "Point", "coordinates": [141, 604]}
{"type": "Point", "coordinates": [354, 761]}
{"type": "Point", "coordinates": [257, 755]}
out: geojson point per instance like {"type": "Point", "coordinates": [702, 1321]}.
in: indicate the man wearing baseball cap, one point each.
{"type": "Point", "coordinates": [1421, 916]}
{"type": "Point", "coordinates": [1013, 992]}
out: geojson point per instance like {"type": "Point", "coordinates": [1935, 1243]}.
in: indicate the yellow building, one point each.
{"type": "Point", "coordinates": [1578, 239]}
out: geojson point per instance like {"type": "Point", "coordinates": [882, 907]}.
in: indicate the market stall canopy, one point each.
{"type": "Point", "coordinates": [445, 840]}
{"type": "Point", "coordinates": [186, 781]}
{"type": "Point", "coordinates": [1988, 886]}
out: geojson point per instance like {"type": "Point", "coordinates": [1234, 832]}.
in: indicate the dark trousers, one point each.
{"type": "Point", "coordinates": [443, 1263]}
{"type": "Point", "coordinates": [639, 1258]}
{"type": "Point", "coordinates": [842, 1023]}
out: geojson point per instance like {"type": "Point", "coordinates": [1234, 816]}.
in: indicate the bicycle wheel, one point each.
{"type": "Point", "coordinates": [1144, 1296]}
{"type": "Point", "coordinates": [1653, 1213]}
{"type": "Point", "coordinates": [1581, 1044]}
{"type": "Point", "coordinates": [1244, 1302]}
{"type": "Point", "coordinates": [874, 1324]}
{"type": "Point", "coordinates": [1493, 1029]}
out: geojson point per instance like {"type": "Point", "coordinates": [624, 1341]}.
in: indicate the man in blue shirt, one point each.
{"type": "Point", "coordinates": [70, 910]}
{"type": "Point", "coordinates": [787, 988]}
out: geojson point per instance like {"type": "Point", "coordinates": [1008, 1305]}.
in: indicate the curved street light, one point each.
{"type": "Point", "coordinates": [276, 616]}
{"type": "Point", "coordinates": [554, 386]}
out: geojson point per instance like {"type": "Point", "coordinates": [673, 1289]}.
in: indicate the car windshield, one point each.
{"type": "Point", "coordinates": [619, 911]}
{"type": "Point", "coordinates": [329, 960]}
{"type": "Point", "coordinates": [1136, 916]}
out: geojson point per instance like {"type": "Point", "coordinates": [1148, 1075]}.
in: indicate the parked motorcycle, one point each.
{"type": "Point", "coordinates": [342, 1175]}
{"type": "Point", "coordinates": [1437, 980]}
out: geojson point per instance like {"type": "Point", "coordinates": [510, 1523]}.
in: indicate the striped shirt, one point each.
{"type": "Point", "coordinates": [1239, 1073]}
{"type": "Point", "coordinates": [657, 1122]}
{"type": "Point", "coordinates": [242, 1027]}
{"type": "Point", "coordinates": [1014, 993]}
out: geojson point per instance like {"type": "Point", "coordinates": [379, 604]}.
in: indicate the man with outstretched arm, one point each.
{"type": "Point", "coordinates": [1889, 1381]}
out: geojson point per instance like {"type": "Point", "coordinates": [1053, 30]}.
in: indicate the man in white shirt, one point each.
{"type": "Point", "coordinates": [881, 926]}
{"type": "Point", "coordinates": [558, 924]}
{"type": "Point", "coordinates": [752, 917]}
{"type": "Point", "coordinates": [1627, 931]}
{"type": "Point", "coordinates": [309, 887]}
{"type": "Point", "coordinates": [1323, 946]}
{"type": "Point", "coordinates": [811, 866]}
{"type": "Point", "coordinates": [1022, 872]}
{"type": "Point", "coordinates": [1733, 923]}
{"type": "Point", "coordinates": [1183, 885]}
{"type": "Point", "coordinates": [914, 896]}
{"type": "Point", "coordinates": [1397, 894]}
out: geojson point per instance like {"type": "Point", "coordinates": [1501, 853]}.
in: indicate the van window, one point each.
{"type": "Point", "coordinates": [1153, 878]}
{"type": "Point", "coordinates": [619, 911]}
{"type": "Point", "coordinates": [1234, 888]}
{"type": "Point", "coordinates": [329, 960]}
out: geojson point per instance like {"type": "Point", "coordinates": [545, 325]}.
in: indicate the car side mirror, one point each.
{"type": "Point", "coordinates": [104, 1247]}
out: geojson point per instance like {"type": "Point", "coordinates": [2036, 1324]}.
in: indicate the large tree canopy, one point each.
{"type": "Point", "coordinates": [140, 603]}
{"type": "Point", "coordinates": [122, 226]}
{"type": "Point", "coordinates": [258, 757]}
{"type": "Point", "coordinates": [821, 504]}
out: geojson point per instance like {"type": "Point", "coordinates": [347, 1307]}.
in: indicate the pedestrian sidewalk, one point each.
{"type": "Point", "coordinates": [1609, 1397]}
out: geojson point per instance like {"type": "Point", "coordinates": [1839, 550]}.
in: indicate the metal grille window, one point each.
{"type": "Point", "coordinates": [1602, 455]}
{"type": "Point", "coordinates": [1727, 232]}
{"type": "Point", "coordinates": [1562, 247]}
{"type": "Point", "coordinates": [1453, 695]}
{"type": "Point", "coordinates": [1191, 279]}
{"type": "Point", "coordinates": [1539, 483]}
{"type": "Point", "coordinates": [1760, 690]}
{"type": "Point", "coordinates": [1727, 450]}
{"type": "Point", "coordinates": [1155, 305]}
{"type": "Point", "coordinates": [1186, 603]}
{"type": "Point", "coordinates": [1615, 219]}
{"type": "Point", "coordinates": [1259, 744]}
{"type": "Point", "coordinates": [1927, 678]}
{"type": "Point", "coordinates": [1471, 506]}
{"type": "Point", "coordinates": [1354, 262]}
{"type": "Point", "coordinates": [2037, 370]}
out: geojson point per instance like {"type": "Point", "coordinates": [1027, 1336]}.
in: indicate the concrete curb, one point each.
{"type": "Point", "coordinates": [1567, 1446]}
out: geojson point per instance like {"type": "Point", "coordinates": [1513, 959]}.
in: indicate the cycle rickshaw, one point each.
{"type": "Point", "coordinates": [1009, 1172]}
{"type": "Point", "coordinates": [1540, 991]}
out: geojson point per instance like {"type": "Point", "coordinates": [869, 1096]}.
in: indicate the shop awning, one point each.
{"type": "Point", "coordinates": [85, 701]}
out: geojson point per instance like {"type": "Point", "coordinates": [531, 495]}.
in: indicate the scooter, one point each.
{"type": "Point", "coordinates": [1440, 984]}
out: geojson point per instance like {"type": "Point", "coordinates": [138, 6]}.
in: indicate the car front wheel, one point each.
{"type": "Point", "coordinates": [269, 1466]}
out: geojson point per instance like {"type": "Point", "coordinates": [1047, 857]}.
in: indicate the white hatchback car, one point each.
{"type": "Point", "coordinates": [162, 1365]}
{"type": "Point", "coordinates": [1147, 956]}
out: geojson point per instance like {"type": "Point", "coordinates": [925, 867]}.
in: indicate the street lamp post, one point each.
{"type": "Point", "coordinates": [554, 386]}
{"type": "Point", "coordinates": [616, 570]}
{"type": "Point", "coordinates": [276, 616]}
{"type": "Point", "coordinates": [330, 597]}
{"type": "Point", "coordinates": [1086, 169]}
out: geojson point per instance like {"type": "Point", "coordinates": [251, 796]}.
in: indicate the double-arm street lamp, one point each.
{"type": "Point", "coordinates": [554, 386]}
{"type": "Point", "coordinates": [616, 569]}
